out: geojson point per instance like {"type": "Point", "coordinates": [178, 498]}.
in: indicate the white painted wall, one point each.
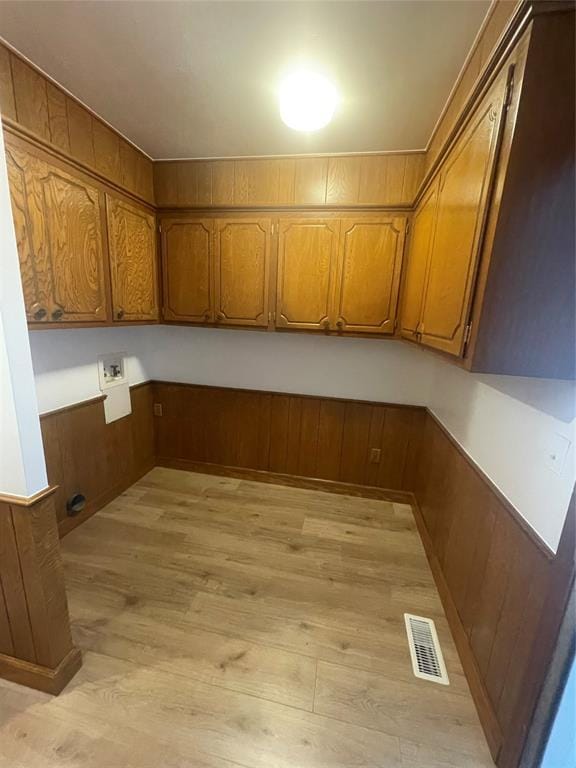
{"type": "Point", "coordinates": [65, 361]}
{"type": "Point", "coordinates": [506, 424]}
{"type": "Point", "coordinates": [22, 466]}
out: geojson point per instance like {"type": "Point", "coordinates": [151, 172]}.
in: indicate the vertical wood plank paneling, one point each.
{"type": "Point", "coordinates": [309, 427]}
{"type": "Point", "coordinates": [279, 433]}
{"type": "Point", "coordinates": [107, 151]}
{"type": "Point", "coordinates": [58, 117]}
{"type": "Point", "coordinates": [397, 432]}
{"type": "Point", "coordinates": [248, 435]}
{"type": "Point", "coordinates": [286, 181]}
{"type": "Point", "coordinates": [80, 132]}
{"type": "Point", "coordinates": [13, 588]}
{"type": "Point", "coordinates": [31, 98]}
{"type": "Point", "coordinates": [311, 176]}
{"type": "Point", "coordinates": [7, 102]}
{"type": "Point", "coordinates": [222, 182]}
{"type": "Point", "coordinates": [343, 185]}
{"type": "Point", "coordinates": [330, 433]}
{"type": "Point", "coordinates": [290, 434]}
{"type": "Point", "coordinates": [293, 437]}
{"type": "Point", "coordinates": [355, 440]}
{"type": "Point", "coordinates": [264, 430]}
{"type": "Point", "coordinates": [495, 578]}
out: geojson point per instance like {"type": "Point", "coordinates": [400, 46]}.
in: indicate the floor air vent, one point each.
{"type": "Point", "coordinates": [427, 659]}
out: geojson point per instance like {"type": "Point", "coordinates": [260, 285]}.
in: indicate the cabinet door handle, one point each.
{"type": "Point", "coordinates": [57, 313]}
{"type": "Point", "coordinates": [220, 316]}
{"type": "Point", "coordinates": [206, 317]}
{"type": "Point", "coordinates": [120, 314]}
{"type": "Point", "coordinates": [340, 324]}
{"type": "Point", "coordinates": [40, 313]}
{"type": "Point", "coordinates": [325, 324]}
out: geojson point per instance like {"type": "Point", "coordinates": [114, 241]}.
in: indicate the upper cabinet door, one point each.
{"type": "Point", "coordinates": [368, 277]}
{"type": "Point", "coordinates": [464, 189]}
{"type": "Point", "coordinates": [307, 256]}
{"type": "Point", "coordinates": [132, 249]}
{"type": "Point", "coordinates": [36, 292]}
{"type": "Point", "coordinates": [417, 263]}
{"type": "Point", "coordinates": [66, 218]}
{"type": "Point", "coordinates": [187, 269]}
{"type": "Point", "coordinates": [242, 271]}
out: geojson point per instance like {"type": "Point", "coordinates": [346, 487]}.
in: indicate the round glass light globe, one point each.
{"type": "Point", "coordinates": [307, 101]}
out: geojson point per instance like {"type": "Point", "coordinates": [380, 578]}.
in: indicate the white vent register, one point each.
{"type": "Point", "coordinates": [425, 651]}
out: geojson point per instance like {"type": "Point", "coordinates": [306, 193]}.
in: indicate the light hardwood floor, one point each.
{"type": "Point", "coordinates": [232, 624]}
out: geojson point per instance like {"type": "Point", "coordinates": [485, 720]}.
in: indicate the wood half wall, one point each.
{"type": "Point", "coordinates": [84, 455]}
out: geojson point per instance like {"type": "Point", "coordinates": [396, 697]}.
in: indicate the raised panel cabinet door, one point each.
{"type": "Point", "coordinates": [417, 263]}
{"type": "Point", "coordinates": [35, 281]}
{"type": "Point", "coordinates": [242, 271]}
{"type": "Point", "coordinates": [187, 270]}
{"type": "Point", "coordinates": [133, 268]}
{"type": "Point", "coordinates": [368, 277]}
{"type": "Point", "coordinates": [307, 256]}
{"type": "Point", "coordinates": [463, 198]}
{"type": "Point", "coordinates": [67, 216]}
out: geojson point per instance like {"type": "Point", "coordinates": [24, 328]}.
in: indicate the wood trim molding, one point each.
{"type": "Point", "coordinates": [27, 501]}
{"type": "Point", "coordinates": [293, 481]}
{"type": "Point", "coordinates": [39, 677]}
{"type": "Point", "coordinates": [72, 406]}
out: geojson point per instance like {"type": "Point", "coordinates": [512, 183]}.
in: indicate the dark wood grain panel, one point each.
{"type": "Point", "coordinates": [297, 435]}
{"type": "Point", "coordinates": [496, 579]}
{"type": "Point", "coordinates": [7, 102]}
{"type": "Point", "coordinates": [86, 455]}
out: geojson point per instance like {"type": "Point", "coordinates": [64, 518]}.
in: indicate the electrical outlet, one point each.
{"type": "Point", "coordinates": [157, 409]}
{"type": "Point", "coordinates": [557, 452]}
{"type": "Point", "coordinates": [375, 454]}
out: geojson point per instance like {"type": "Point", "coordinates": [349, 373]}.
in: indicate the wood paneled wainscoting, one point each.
{"type": "Point", "coordinates": [287, 438]}
{"type": "Point", "coordinates": [84, 455]}
{"type": "Point", "coordinates": [503, 590]}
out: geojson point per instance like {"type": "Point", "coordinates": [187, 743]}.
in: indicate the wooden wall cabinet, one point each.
{"type": "Point", "coordinates": [59, 222]}
{"type": "Point", "coordinates": [368, 275]}
{"type": "Point", "coordinates": [448, 230]}
{"type": "Point", "coordinates": [307, 259]}
{"type": "Point", "coordinates": [340, 274]}
{"type": "Point", "coordinates": [242, 271]}
{"type": "Point", "coordinates": [217, 270]}
{"type": "Point", "coordinates": [187, 270]}
{"type": "Point", "coordinates": [132, 252]}
{"type": "Point", "coordinates": [491, 269]}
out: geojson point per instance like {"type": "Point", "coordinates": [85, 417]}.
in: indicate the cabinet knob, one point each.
{"type": "Point", "coordinates": [119, 314]}
{"type": "Point", "coordinates": [40, 313]}
{"type": "Point", "coordinates": [340, 324]}
{"type": "Point", "coordinates": [57, 313]}
{"type": "Point", "coordinates": [220, 316]}
{"type": "Point", "coordinates": [207, 317]}
{"type": "Point", "coordinates": [325, 324]}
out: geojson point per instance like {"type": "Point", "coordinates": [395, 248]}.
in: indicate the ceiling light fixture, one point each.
{"type": "Point", "coordinates": [307, 101]}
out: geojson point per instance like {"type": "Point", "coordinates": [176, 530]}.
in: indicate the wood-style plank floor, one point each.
{"type": "Point", "coordinates": [232, 624]}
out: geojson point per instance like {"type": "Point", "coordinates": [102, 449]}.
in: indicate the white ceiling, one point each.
{"type": "Point", "coordinates": [199, 79]}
